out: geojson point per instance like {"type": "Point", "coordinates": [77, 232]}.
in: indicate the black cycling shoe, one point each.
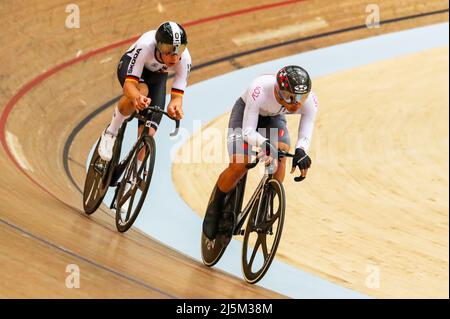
{"type": "Point", "coordinates": [213, 213]}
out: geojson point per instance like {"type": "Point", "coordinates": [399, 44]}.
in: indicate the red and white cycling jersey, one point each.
{"type": "Point", "coordinates": [142, 54]}
{"type": "Point", "coordinates": [260, 99]}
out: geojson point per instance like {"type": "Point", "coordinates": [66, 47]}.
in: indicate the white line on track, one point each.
{"type": "Point", "coordinates": [283, 32]}
{"type": "Point", "coordinates": [16, 149]}
{"type": "Point", "coordinates": [106, 60]}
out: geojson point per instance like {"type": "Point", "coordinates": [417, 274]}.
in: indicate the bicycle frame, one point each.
{"type": "Point", "coordinates": [118, 170]}
{"type": "Point", "coordinates": [242, 215]}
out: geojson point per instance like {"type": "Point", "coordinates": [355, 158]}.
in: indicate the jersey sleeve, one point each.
{"type": "Point", "coordinates": [255, 96]}
{"type": "Point", "coordinates": [138, 57]}
{"type": "Point", "coordinates": [182, 71]}
{"type": "Point", "coordinates": [308, 114]}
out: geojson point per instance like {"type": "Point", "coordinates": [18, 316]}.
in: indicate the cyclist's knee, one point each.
{"type": "Point", "coordinates": [283, 146]}
{"type": "Point", "coordinates": [125, 106]}
{"type": "Point", "coordinates": [237, 169]}
{"type": "Point", "coordinates": [143, 88]}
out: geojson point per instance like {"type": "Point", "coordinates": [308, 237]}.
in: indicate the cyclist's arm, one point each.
{"type": "Point", "coordinates": [255, 96]}
{"type": "Point", "coordinates": [306, 126]}
{"type": "Point", "coordinates": [182, 70]}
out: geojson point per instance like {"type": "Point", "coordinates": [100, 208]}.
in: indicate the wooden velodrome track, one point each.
{"type": "Point", "coordinates": [52, 78]}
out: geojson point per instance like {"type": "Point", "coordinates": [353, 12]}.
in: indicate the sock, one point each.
{"type": "Point", "coordinates": [139, 163]}
{"type": "Point", "coordinates": [116, 122]}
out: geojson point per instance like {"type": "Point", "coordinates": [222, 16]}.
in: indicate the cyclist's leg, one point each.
{"type": "Point", "coordinates": [124, 109]}
{"type": "Point", "coordinates": [125, 106]}
{"type": "Point", "coordinates": [236, 169]}
{"type": "Point", "coordinates": [230, 176]}
{"type": "Point", "coordinates": [227, 181]}
{"type": "Point", "coordinates": [238, 150]}
{"type": "Point", "coordinates": [121, 112]}
{"type": "Point", "coordinates": [156, 83]}
{"type": "Point", "coordinates": [281, 170]}
{"type": "Point", "coordinates": [279, 136]}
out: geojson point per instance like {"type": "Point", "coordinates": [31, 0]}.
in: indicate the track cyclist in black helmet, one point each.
{"type": "Point", "coordinates": [258, 119]}
{"type": "Point", "coordinates": [142, 72]}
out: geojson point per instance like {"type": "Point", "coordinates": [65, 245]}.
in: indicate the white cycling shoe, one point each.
{"type": "Point", "coordinates": [105, 148]}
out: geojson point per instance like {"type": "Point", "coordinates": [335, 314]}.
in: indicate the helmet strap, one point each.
{"type": "Point", "coordinates": [158, 55]}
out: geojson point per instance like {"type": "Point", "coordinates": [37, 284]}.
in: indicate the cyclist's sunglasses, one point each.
{"type": "Point", "coordinates": [171, 49]}
{"type": "Point", "coordinates": [291, 98]}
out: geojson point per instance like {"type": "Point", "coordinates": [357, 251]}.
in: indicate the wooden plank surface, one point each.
{"type": "Point", "coordinates": [38, 197]}
{"type": "Point", "coordinates": [377, 193]}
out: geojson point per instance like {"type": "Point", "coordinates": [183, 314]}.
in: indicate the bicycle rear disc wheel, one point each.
{"type": "Point", "coordinates": [133, 187]}
{"type": "Point", "coordinates": [95, 185]}
{"type": "Point", "coordinates": [263, 232]}
{"type": "Point", "coordinates": [212, 250]}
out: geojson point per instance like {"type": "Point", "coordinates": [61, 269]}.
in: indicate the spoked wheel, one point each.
{"type": "Point", "coordinates": [133, 187]}
{"type": "Point", "coordinates": [263, 232]}
{"type": "Point", "coordinates": [212, 250]}
{"type": "Point", "coordinates": [96, 183]}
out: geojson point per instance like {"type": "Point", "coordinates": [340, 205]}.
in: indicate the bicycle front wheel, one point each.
{"type": "Point", "coordinates": [263, 231]}
{"type": "Point", "coordinates": [133, 187]}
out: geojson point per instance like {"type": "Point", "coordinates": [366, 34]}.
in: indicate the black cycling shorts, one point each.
{"type": "Point", "coordinates": [156, 82]}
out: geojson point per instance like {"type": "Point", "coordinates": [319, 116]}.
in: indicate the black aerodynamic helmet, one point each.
{"type": "Point", "coordinates": [294, 82]}
{"type": "Point", "coordinates": [171, 38]}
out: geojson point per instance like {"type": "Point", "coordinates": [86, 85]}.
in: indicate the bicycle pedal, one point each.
{"type": "Point", "coordinates": [100, 168]}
